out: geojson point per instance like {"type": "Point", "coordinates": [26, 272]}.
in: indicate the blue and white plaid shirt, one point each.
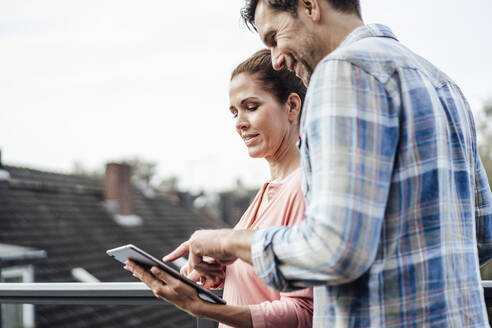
{"type": "Point", "coordinates": [399, 210]}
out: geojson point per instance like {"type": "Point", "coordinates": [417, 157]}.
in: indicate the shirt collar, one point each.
{"type": "Point", "coordinates": [367, 31]}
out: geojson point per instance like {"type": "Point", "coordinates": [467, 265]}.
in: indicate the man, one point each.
{"type": "Point", "coordinates": [399, 210]}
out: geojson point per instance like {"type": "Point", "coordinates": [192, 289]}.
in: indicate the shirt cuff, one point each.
{"type": "Point", "coordinates": [257, 316]}
{"type": "Point", "coordinates": [264, 259]}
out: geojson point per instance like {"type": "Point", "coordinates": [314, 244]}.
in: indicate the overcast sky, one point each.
{"type": "Point", "coordinates": [100, 80]}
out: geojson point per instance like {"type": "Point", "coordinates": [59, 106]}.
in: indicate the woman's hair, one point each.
{"type": "Point", "coordinates": [280, 83]}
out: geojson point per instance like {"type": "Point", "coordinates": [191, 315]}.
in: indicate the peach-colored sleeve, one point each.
{"type": "Point", "coordinates": [294, 310]}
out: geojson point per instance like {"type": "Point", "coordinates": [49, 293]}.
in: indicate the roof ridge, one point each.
{"type": "Point", "coordinates": [57, 173]}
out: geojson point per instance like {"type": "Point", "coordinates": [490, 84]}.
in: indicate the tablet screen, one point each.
{"type": "Point", "coordinates": [132, 252]}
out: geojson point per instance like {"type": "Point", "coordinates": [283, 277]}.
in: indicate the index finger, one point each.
{"type": "Point", "coordinates": [182, 249]}
{"type": "Point", "coordinates": [193, 275]}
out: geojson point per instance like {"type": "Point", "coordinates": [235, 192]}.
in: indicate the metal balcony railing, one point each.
{"type": "Point", "coordinates": [121, 293]}
{"type": "Point", "coordinates": [126, 293]}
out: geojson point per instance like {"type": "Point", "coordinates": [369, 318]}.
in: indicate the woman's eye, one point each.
{"type": "Point", "coordinates": [252, 108]}
{"type": "Point", "coordinates": [234, 115]}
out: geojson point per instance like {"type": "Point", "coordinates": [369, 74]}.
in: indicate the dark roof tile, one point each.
{"type": "Point", "coordinates": [65, 215]}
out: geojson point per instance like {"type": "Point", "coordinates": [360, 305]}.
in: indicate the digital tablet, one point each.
{"type": "Point", "coordinates": [131, 252]}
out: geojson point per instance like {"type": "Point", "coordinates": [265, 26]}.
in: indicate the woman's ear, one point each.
{"type": "Point", "coordinates": [294, 105]}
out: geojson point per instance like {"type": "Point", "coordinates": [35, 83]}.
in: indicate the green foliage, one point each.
{"type": "Point", "coordinates": [79, 168]}
{"type": "Point", "coordinates": [169, 184]}
{"type": "Point", "coordinates": [486, 273]}
{"type": "Point", "coordinates": [141, 169]}
{"type": "Point", "coordinates": [484, 132]}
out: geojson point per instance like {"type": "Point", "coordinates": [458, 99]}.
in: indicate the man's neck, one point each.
{"type": "Point", "coordinates": [336, 27]}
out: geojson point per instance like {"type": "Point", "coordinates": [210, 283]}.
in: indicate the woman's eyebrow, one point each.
{"type": "Point", "coordinates": [246, 99]}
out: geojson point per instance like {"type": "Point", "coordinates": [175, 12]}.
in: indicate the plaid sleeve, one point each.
{"type": "Point", "coordinates": [483, 214]}
{"type": "Point", "coordinates": [351, 132]}
{"type": "Point", "coordinates": [264, 261]}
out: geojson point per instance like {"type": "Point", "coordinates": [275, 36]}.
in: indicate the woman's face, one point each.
{"type": "Point", "coordinates": [261, 121]}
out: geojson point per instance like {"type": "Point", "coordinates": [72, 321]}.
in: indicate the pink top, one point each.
{"type": "Point", "coordinates": [242, 286]}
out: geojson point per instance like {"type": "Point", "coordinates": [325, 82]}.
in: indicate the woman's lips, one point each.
{"type": "Point", "coordinates": [250, 139]}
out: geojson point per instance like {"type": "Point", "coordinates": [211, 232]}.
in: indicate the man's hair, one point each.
{"type": "Point", "coordinates": [248, 11]}
{"type": "Point", "coordinates": [280, 83]}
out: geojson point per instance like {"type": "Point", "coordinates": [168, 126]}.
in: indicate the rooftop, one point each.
{"type": "Point", "coordinates": [65, 215]}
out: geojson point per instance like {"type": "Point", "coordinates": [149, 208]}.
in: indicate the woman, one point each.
{"type": "Point", "coordinates": [266, 105]}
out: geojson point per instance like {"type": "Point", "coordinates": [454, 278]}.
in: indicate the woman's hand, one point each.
{"type": "Point", "coordinates": [207, 282]}
{"type": "Point", "coordinates": [168, 288]}
{"type": "Point", "coordinates": [185, 297]}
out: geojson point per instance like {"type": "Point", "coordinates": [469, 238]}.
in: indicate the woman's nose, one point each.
{"type": "Point", "coordinates": [242, 122]}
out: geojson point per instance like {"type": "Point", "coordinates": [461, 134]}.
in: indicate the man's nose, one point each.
{"type": "Point", "coordinates": [278, 60]}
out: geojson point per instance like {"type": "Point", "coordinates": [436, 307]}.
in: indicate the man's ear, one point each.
{"type": "Point", "coordinates": [311, 8]}
{"type": "Point", "coordinates": [294, 104]}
